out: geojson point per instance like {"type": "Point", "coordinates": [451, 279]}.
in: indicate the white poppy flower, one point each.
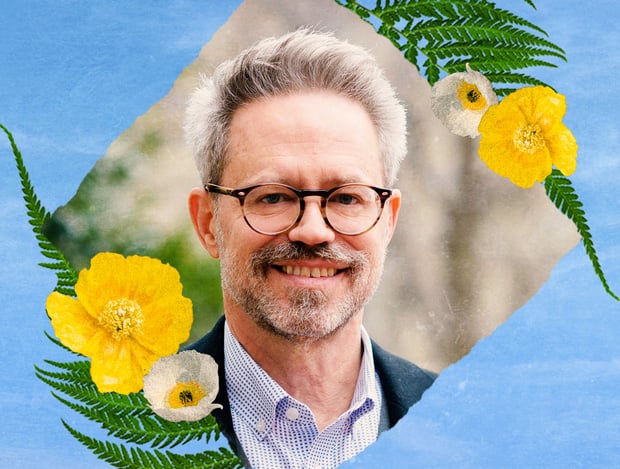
{"type": "Point", "coordinates": [460, 100]}
{"type": "Point", "coordinates": [182, 386]}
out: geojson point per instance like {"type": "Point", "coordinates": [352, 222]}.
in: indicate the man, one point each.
{"type": "Point", "coordinates": [298, 141]}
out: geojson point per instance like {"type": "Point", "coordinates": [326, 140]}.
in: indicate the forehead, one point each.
{"type": "Point", "coordinates": [316, 138]}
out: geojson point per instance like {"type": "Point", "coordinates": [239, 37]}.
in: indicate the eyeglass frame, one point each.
{"type": "Point", "coordinates": [241, 193]}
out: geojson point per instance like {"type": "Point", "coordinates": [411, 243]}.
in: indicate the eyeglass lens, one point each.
{"type": "Point", "coordinates": [272, 209]}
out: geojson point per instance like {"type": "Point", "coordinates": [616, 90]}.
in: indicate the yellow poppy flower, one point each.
{"type": "Point", "coordinates": [523, 136]}
{"type": "Point", "coordinates": [129, 312]}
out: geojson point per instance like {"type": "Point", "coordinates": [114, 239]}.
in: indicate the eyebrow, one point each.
{"type": "Point", "coordinates": [332, 181]}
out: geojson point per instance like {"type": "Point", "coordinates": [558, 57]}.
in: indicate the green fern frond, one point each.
{"type": "Point", "coordinates": [117, 454]}
{"type": "Point", "coordinates": [77, 372]}
{"type": "Point", "coordinates": [511, 78]}
{"type": "Point", "coordinates": [500, 56]}
{"type": "Point", "coordinates": [135, 458]}
{"type": "Point", "coordinates": [127, 417]}
{"type": "Point", "coordinates": [563, 195]}
{"type": "Point", "coordinates": [144, 428]}
{"type": "Point", "coordinates": [222, 459]}
{"type": "Point", "coordinates": [499, 31]}
{"type": "Point", "coordinates": [75, 381]}
{"type": "Point", "coordinates": [87, 394]}
{"type": "Point", "coordinates": [37, 217]}
{"type": "Point", "coordinates": [443, 35]}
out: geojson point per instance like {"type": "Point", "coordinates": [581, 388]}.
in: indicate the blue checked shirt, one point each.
{"type": "Point", "coordinates": [277, 431]}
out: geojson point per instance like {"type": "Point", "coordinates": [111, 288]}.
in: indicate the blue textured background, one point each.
{"type": "Point", "coordinates": [542, 391]}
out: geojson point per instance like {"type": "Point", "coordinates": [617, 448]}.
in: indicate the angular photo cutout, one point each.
{"type": "Point", "coordinates": [469, 249]}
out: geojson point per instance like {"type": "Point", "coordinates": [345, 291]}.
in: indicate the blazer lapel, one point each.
{"type": "Point", "coordinates": [213, 344]}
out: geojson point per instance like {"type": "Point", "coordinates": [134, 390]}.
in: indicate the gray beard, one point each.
{"type": "Point", "coordinates": [308, 314]}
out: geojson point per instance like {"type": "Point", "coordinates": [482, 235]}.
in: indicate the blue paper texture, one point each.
{"type": "Point", "coordinates": [542, 391]}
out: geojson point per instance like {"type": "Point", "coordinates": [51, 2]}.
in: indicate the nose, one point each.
{"type": "Point", "coordinates": [312, 228]}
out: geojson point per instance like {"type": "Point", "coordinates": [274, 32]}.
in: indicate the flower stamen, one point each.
{"type": "Point", "coordinates": [529, 138]}
{"type": "Point", "coordinates": [122, 318]}
{"type": "Point", "coordinates": [470, 97]}
{"type": "Point", "coordinates": [185, 395]}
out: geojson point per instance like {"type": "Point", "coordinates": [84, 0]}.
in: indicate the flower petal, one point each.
{"type": "Point", "coordinates": [187, 414]}
{"type": "Point", "coordinates": [119, 366]}
{"type": "Point", "coordinates": [98, 284]}
{"type": "Point", "coordinates": [564, 147]}
{"type": "Point", "coordinates": [169, 374]}
{"type": "Point", "coordinates": [72, 324]}
{"type": "Point", "coordinates": [460, 100]}
{"type": "Point", "coordinates": [167, 323]}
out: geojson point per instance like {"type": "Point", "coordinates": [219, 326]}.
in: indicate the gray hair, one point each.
{"type": "Point", "coordinates": [298, 61]}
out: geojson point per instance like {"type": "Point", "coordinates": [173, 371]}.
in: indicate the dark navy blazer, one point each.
{"type": "Point", "coordinates": [402, 382]}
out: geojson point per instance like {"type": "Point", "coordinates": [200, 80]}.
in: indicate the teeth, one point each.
{"type": "Point", "coordinates": [308, 272]}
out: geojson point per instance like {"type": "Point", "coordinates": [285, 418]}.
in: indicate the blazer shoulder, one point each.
{"type": "Point", "coordinates": [212, 343]}
{"type": "Point", "coordinates": [402, 381]}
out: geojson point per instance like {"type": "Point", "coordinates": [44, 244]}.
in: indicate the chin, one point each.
{"type": "Point", "coordinates": [300, 325]}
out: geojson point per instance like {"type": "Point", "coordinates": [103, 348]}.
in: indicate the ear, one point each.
{"type": "Point", "coordinates": [203, 218]}
{"type": "Point", "coordinates": [393, 207]}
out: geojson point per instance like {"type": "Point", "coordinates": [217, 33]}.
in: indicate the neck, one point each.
{"type": "Point", "coordinates": [321, 373]}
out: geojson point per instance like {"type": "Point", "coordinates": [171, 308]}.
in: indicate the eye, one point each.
{"type": "Point", "coordinates": [274, 197]}
{"type": "Point", "coordinates": [271, 198]}
{"type": "Point", "coordinates": [345, 199]}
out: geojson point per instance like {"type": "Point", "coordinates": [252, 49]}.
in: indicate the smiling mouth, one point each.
{"type": "Point", "coordinates": [314, 272]}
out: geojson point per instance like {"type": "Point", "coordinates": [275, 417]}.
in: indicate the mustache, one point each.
{"type": "Point", "coordinates": [265, 256]}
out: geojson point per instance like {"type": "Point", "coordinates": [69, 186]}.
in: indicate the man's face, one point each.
{"type": "Point", "coordinates": [308, 282]}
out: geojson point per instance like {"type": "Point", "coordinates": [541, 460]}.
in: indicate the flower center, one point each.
{"type": "Point", "coordinates": [185, 395]}
{"type": "Point", "coordinates": [122, 317]}
{"type": "Point", "coordinates": [470, 97]}
{"type": "Point", "coordinates": [529, 138]}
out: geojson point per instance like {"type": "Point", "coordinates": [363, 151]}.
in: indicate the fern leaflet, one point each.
{"type": "Point", "coordinates": [136, 458]}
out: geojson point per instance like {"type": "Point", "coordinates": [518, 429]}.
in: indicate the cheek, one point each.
{"type": "Point", "coordinates": [229, 226]}
{"type": "Point", "coordinates": [375, 241]}
{"type": "Point", "coordinates": [237, 242]}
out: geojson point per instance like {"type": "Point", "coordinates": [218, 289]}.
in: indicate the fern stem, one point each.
{"type": "Point", "coordinates": [37, 217]}
{"type": "Point", "coordinates": [562, 194]}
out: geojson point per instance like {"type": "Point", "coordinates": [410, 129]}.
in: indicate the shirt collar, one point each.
{"type": "Point", "coordinates": [367, 392]}
{"type": "Point", "coordinates": [247, 383]}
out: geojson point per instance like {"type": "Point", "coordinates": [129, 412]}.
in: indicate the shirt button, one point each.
{"type": "Point", "coordinates": [261, 426]}
{"type": "Point", "coordinates": [292, 413]}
